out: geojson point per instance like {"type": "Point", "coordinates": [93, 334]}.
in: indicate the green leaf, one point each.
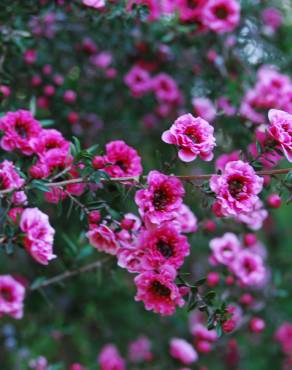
{"type": "Point", "coordinates": [38, 281]}
{"type": "Point", "coordinates": [47, 122]}
{"type": "Point", "coordinates": [40, 185]}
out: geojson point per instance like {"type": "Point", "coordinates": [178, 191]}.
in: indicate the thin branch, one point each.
{"type": "Point", "coordinates": [70, 273]}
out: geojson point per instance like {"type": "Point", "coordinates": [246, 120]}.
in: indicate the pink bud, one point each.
{"type": "Point", "coordinates": [94, 217]}
{"type": "Point", "coordinates": [70, 96]}
{"type": "Point", "coordinates": [49, 90]}
{"type": "Point", "coordinates": [209, 226]}
{"type": "Point", "coordinates": [213, 279]}
{"type": "Point", "coordinates": [229, 325]}
{"type": "Point", "coordinates": [73, 117]}
{"type": "Point", "coordinates": [257, 325]}
{"type": "Point", "coordinates": [249, 239]}
{"type": "Point", "coordinates": [274, 200]}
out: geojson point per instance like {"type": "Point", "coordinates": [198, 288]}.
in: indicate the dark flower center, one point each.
{"type": "Point", "coordinates": [122, 165]}
{"type": "Point", "coordinates": [248, 266]}
{"type": "Point", "coordinates": [165, 249]}
{"type": "Point", "coordinates": [6, 294]}
{"type": "Point", "coordinates": [221, 12]}
{"type": "Point", "coordinates": [21, 130]}
{"type": "Point", "coordinates": [160, 289]}
{"type": "Point", "coordinates": [160, 199]}
{"type": "Point", "coordinates": [192, 4]}
{"type": "Point", "coordinates": [235, 188]}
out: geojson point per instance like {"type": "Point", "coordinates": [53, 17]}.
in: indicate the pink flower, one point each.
{"type": "Point", "coordinates": [165, 88]}
{"type": "Point", "coordinates": [225, 248]}
{"type": "Point", "coordinates": [224, 104]}
{"type": "Point", "coordinates": [257, 325]}
{"type": "Point", "coordinates": [11, 297]}
{"type": "Point", "coordinates": [284, 336]}
{"type": "Point", "coordinates": [102, 60]}
{"type": "Point", "coordinates": [223, 159]}
{"type": "Point", "coordinates": [140, 350]}
{"type": "Point", "coordinates": [139, 81]}
{"type": "Point", "coordinates": [236, 189]}
{"type": "Point", "coordinates": [163, 245]}
{"type": "Point", "coordinates": [190, 10]}
{"type": "Point", "coordinates": [254, 219]}
{"type": "Point", "coordinates": [110, 359]}
{"type": "Point", "coordinates": [103, 239]}
{"type": "Point", "coordinates": [193, 136]}
{"type": "Point", "coordinates": [158, 291]}
{"type": "Point", "coordinates": [203, 107]}
{"type": "Point", "coordinates": [9, 178]}
{"type": "Point", "coordinates": [131, 258]}
{"type": "Point", "coordinates": [97, 4]}
{"type": "Point", "coordinates": [39, 235]}
{"type": "Point", "coordinates": [161, 199]}
{"type": "Point", "coordinates": [185, 220]}
{"type": "Point", "coordinates": [40, 363]}
{"type": "Point", "coordinates": [18, 129]}
{"type": "Point", "coordinates": [183, 351]}
{"type": "Point", "coordinates": [249, 268]}
{"type": "Point", "coordinates": [120, 160]}
{"type": "Point", "coordinates": [221, 15]}
{"type": "Point", "coordinates": [280, 130]}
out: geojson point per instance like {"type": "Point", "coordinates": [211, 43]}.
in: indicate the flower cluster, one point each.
{"type": "Point", "coordinates": [245, 263]}
{"type": "Point", "coordinates": [12, 293]}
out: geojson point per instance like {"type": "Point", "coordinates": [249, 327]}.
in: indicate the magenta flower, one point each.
{"type": "Point", "coordinates": [221, 15]}
{"type": "Point", "coordinates": [158, 291]}
{"type": "Point", "coordinates": [161, 199]}
{"type": "Point", "coordinates": [284, 336]}
{"type": "Point", "coordinates": [185, 220]}
{"type": "Point", "coordinates": [204, 107]}
{"type": "Point", "coordinates": [39, 235]}
{"type": "Point", "coordinates": [120, 160]}
{"type": "Point", "coordinates": [19, 128]}
{"type": "Point", "coordinates": [163, 245]}
{"type": "Point", "coordinates": [165, 88]}
{"type": "Point", "coordinates": [193, 136]}
{"type": "Point", "coordinates": [138, 80]}
{"type": "Point", "coordinates": [183, 351]}
{"type": "Point", "coordinates": [280, 130]}
{"type": "Point", "coordinates": [103, 239]}
{"type": "Point", "coordinates": [140, 350]}
{"type": "Point", "coordinates": [110, 358]}
{"type": "Point", "coordinates": [236, 189]}
{"type": "Point", "coordinates": [11, 297]}
{"type": "Point", "coordinates": [254, 219]}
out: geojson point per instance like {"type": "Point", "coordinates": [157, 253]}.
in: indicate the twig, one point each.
{"type": "Point", "coordinates": [70, 273]}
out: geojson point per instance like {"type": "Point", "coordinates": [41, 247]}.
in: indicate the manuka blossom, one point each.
{"type": "Point", "coordinates": [10, 179]}
{"type": "Point", "coordinates": [140, 350]}
{"type": "Point", "coordinates": [11, 297]}
{"type": "Point", "coordinates": [158, 291]}
{"type": "Point", "coordinates": [223, 159]}
{"type": "Point", "coordinates": [236, 189]}
{"type": "Point", "coordinates": [221, 15]}
{"type": "Point", "coordinates": [120, 160]}
{"type": "Point", "coordinates": [139, 81]}
{"type": "Point", "coordinates": [110, 358]}
{"type": "Point", "coordinates": [280, 130]}
{"type": "Point", "coordinates": [185, 220]}
{"type": "Point", "coordinates": [190, 10]}
{"type": "Point", "coordinates": [163, 245]}
{"type": "Point", "coordinates": [39, 235]}
{"type": "Point", "coordinates": [203, 107]}
{"type": "Point", "coordinates": [249, 268]}
{"type": "Point", "coordinates": [165, 88]}
{"type": "Point", "coordinates": [284, 337]}
{"type": "Point", "coordinates": [183, 351]}
{"type": "Point", "coordinates": [161, 199]}
{"type": "Point", "coordinates": [97, 4]}
{"type": "Point", "coordinates": [193, 137]}
{"type": "Point", "coordinates": [225, 248]}
{"type": "Point", "coordinates": [103, 239]}
{"type": "Point", "coordinates": [203, 338]}
{"type": "Point", "coordinates": [19, 128]}
{"type": "Point", "coordinates": [254, 219]}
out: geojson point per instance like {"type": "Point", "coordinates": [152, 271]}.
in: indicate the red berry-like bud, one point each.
{"type": "Point", "coordinates": [249, 239]}
{"type": "Point", "coordinates": [209, 226]}
{"type": "Point", "coordinates": [257, 325]}
{"type": "Point", "coordinates": [73, 117]}
{"type": "Point", "coordinates": [213, 279]}
{"type": "Point", "coordinates": [274, 201]}
{"type": "Point", "coordinates": [228, 326]}
{"type": "Point", "coordinates": [94, 217]}
{"type": "Point", "coordinates": [70, 96]}
{"type": "Point", "coordinates": [229, 280]}
{"type": "Point", "coordinates": [98, 162]}
{"type": "Point", "coordinates": [246, 299]}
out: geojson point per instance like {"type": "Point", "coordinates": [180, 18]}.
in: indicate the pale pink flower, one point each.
{"type": "Point", "coordinates": [131, 258]}
{"type": "Point", "coordinates": [39, 235]}
{"type": "Point", "coordinates": [204, 107]}
{"type": "Point", "coordinates": [236, 189]}
{"type": "Point", "coordinates": [221, 15]}
{"type": "Point", "coordinates": [120, 160]}
{"type": "Point", "coordinates": [110, 358]}
{"type": "Point", "coordinates": [163, 245]}
{"type": "Point", "coordinates": [9, 177]}
{"type": "Point", "coordinates": [183, 351]}
{"type": "Point", "coordinates": [193, 136]}
{"type": "Point", "coordinates": [140, 350]}
{"type": "Point", "coordinates": [280, 130]}
{"type": "Point", "coordinates": [138, 80]}
{"type": "Point", "coordinates": [225, 248]}
{"type": "Point", "coordinates": [161, 198]}
{"type": "Point", "coordinates": [11, 297]}
{"type": "Point", "coordinates": [165, 88]}
{"type": "Point", "coordinates": [97, 4]}
{"type": "Point", "coordinates": [185, 220]}
{"type": "Point", "coordinates": [224, 104]}
{"type": "Point", "coordinates": [254, 219]}
{"type": "Point", "coordinates": [18, 129]}
{"type": "Point", "coordinates": [158, 291]}
{"type": "Point", "coordinates": [103, 239]}
{"type": "Point", "coordinates": [249, 268]}
{"type": "Point", "coordinates": [102, 60]}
